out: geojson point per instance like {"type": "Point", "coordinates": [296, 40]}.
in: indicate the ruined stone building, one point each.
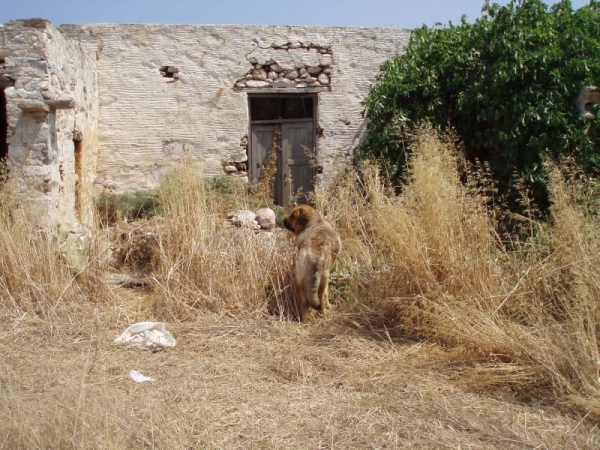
{"type": "Point", "coordinates": [92, 108]}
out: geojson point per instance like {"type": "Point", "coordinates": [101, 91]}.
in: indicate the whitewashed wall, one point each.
{"type": "Point", "coordinates": [148, 123]}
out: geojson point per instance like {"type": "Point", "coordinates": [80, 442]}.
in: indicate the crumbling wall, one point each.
{"type": "Point", "coordinates": [168, 92]}
{"type": "Point", "coordinates": [290, 65]}
{"type": "Point", "coordinates": [52, 107]}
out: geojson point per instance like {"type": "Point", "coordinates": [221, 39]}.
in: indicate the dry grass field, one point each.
{"type": "Point", "coordinates": [443, 334]}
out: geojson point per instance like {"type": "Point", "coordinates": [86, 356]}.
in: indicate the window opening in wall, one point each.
{"type": "Point", "coordinates": [281, 108]}
{"type": "Point", "coordinates": [78, 153]}
{"type": "Point", "coordinates": [169, 72]}
{"type": "Point", "coordinates": [285, 124]}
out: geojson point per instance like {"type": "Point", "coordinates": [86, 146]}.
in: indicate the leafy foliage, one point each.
{"type": "Point", "coordinates": [128, 206]}
{"type": "Point", "coordinates": [506, 83]}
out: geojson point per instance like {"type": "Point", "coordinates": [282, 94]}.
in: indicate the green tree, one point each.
{"type": "Point", "coordinates": [505, 83]}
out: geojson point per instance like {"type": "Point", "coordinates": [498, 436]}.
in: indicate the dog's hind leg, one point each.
{"type": "Point", "coordinates": [324, 291]}
{"type": "Point", "coordinates": [313, 289]}
{"type": "Point", "coordinates": [301, 285]}
{"type": "Point", "coordinates": [303, 306]}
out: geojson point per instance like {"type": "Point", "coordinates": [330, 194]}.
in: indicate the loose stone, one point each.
{"type": "Point", "coordinates": [276, 68]}
{"type": "Point", "coordinates": [259, 74]}
{"type": "Point", "coordinates": [303, 71]}
{"type": "Point", "coordinates": [272, 75]}
{"type": "Point", "coordinates": [240, 84]}
{"type": "Point", "coordinates": [292, 74]}
{"type": "Point", "coordinates": [266, 218]}
{"type": "Point", "coordinates": [323, 79]}
{"type": "Point", "coordinates": [283, 83]}
{"type": "Point", "coordinates": [244, 218]}
{"type": "Point", "coordinates": [314, 70]}
{"type": "Point", "coordinates": [301, 85]}
{"type": "Point", "coordinates": [257, 84]}
{"type": "Point", "coordinates": [326, 61]}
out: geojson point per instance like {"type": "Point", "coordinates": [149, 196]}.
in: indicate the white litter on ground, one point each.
{"type": "Point", "coordinates": [151, 336]}
{"type": "Point", "coordinates": [138, 377]}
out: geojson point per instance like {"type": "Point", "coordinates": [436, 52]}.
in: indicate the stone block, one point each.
{"type": "Point", "coordinates": [284, 83]}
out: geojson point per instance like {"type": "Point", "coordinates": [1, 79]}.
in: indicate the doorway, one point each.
{"type": "Point", "coordinates": [284, 124]}
{"type": "Point", "coordinates": [3, 125]}
{"type": "Point", "coordinates": [3, 137]}
{"type": "Point", "coordinates": [77, 155]}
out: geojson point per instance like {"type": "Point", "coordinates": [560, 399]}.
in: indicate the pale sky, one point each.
{"type": "Point", "coordinates": [380, 13]}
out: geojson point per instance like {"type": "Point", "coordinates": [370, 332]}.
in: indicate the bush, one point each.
{"type": "Point", "coordinates": [506, 84]}
{"type": "Point", "coordinates": [138, 205]}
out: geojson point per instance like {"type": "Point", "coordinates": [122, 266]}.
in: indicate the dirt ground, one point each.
{"type": "Point", "coordinates": [252, 382]}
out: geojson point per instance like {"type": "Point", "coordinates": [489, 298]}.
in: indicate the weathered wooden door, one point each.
{"type": "Point", "coordinates": [260, 145]}
{"type": "Point", "coordinates": [298, 161]}
{"type": "Point", "coordinates": [290, 120]}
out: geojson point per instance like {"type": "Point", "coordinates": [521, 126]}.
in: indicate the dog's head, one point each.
{"type": "Point", "coordinates": [299, 218]}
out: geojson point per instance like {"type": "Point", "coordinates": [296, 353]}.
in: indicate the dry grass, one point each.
{"type": "Point", "coordinates": [35, 277]}
{"type": "Point", "coordinates": [205, 263]}
{"type": "Point", "coordinates": [440, 336]}
{"type": "Point", "coordinates": [255, 383]}
{"type": "Point", "coordinates": [430, 264]}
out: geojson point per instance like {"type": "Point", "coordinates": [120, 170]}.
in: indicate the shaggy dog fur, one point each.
{"type": "Point", "coordinates": [318, 248]}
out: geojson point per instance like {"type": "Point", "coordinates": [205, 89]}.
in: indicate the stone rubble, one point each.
{"type": "Point", "coordinates": [287, 66]}
{"type": "Point", "coordinates": [266, 218]}
{"type": "Point", "coordinates": [262, 220]}
{"type": "Point", "coordinates": [244, 219]}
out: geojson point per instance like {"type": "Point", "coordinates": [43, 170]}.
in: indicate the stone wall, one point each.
{"type": "Point", "coordinates": [289, 65]}
{"type": "Point", "coordinates": [168, 92]}
{"type": "Point", "coordinates": [93, 108]}
{"type": "Point", "coordinates": [52, 108]}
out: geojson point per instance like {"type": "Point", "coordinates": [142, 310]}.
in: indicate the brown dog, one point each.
{"type": "Point", "coordinates": [318, 248]}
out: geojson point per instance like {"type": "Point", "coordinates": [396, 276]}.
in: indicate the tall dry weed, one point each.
{"type": "Point", "coordinates": [429, 263]}
{"type": "Point", "coordinates": [562, 289]}
{"type": "Point", "coordinates": [207, 263]}
{"type": "Point", "coordinates": [35, 276]}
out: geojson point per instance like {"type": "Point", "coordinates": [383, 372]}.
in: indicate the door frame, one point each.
{"type": "Point", "coordinates": [315, 118]}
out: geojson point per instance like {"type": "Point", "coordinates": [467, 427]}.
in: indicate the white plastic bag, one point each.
{"type": "Point", "coordinates": [151, 336]}
{"type": "Point", "coordinates": [139, 377]}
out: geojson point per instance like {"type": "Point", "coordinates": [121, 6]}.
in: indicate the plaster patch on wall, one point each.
{"type": "Point", "coordinates": [178, 149]}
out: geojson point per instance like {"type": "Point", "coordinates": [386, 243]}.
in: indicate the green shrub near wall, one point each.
{"type": "Point", "coordinates": [506, 83]}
